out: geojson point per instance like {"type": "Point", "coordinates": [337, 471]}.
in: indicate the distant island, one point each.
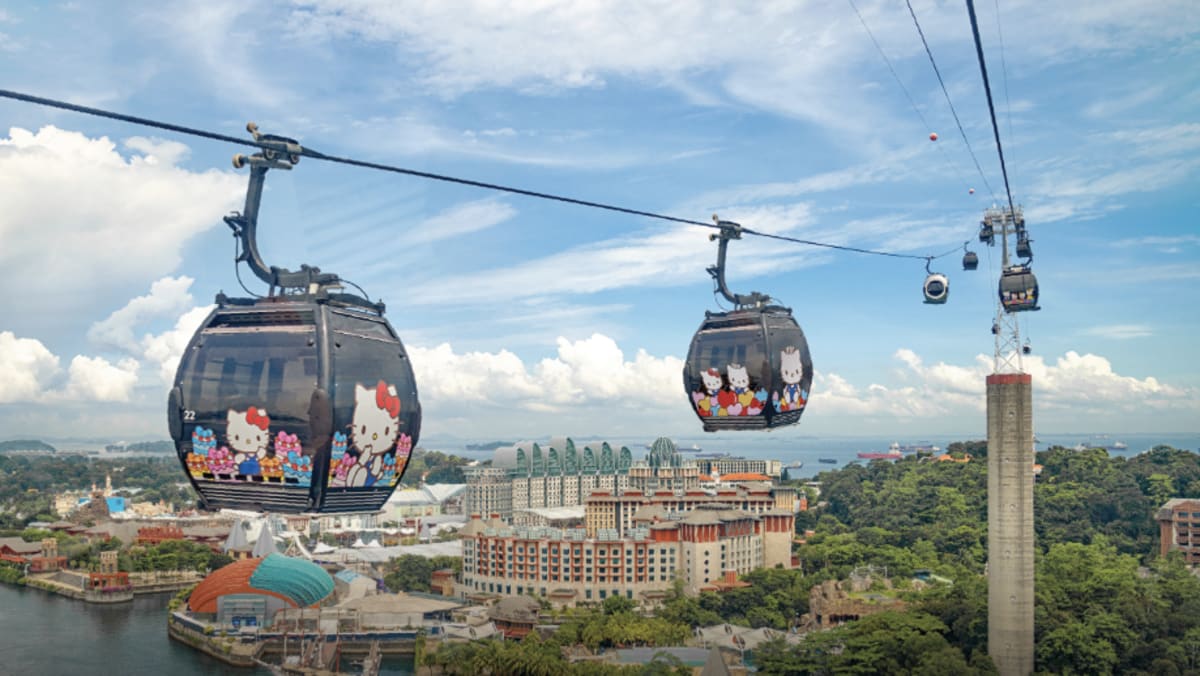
{"type": "Point", "coordinates": [489, 446]}
{"type": "Point", "coordinates": [26, 445]}
{"type": "Point", "coordinates": [142, 447]}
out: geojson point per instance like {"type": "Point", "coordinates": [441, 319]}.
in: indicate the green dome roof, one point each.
{"type": "Point", "coordinates": [304, 582]}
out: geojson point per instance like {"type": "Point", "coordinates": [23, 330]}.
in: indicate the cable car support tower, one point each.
{"type": "Point", "coordinates": [1006, 330]}
{"type": "Point", "coordinates": [1010, 470]}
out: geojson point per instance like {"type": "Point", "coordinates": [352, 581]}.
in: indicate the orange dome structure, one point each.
{"type": "Point", "coordinates": [295, 582]}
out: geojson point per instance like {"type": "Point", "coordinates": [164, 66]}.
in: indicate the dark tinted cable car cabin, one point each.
{"type": "Point", "coordinates": [748, 368]}
{"type": "Point", "coordinates": [293, 402]}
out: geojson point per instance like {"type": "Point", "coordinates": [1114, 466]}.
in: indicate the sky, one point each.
{"type": "Point", "coordinates": [528, 318]}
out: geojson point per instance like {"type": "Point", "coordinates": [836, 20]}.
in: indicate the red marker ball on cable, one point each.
{"type": "Point", "coordinates": [933, 136]}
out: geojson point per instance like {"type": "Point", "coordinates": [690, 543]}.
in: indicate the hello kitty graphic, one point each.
{"type": "Point", "coordinates": [708, 401]}
{"type": "Point", "coordinates": [373, 433]}
{"type": "Point", "coordinates": [792, 397]}
{"type": "Point", "coordinates": [340, 462]}
{"type": "Point", "coordinates": [748, 401]}
{"type": "Point", "coordinates": [203, 441]}
{"type": "Point", "coordinates": [248, 435]}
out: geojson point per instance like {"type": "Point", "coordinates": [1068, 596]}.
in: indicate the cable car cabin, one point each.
{"type": "Point", "coordinates": [1023, 248]}
{"type": "Point", "coordinates": [1019, 289]}
{"type": "Point", "coordinates": [937, 288]}
{"type": "Point", "coordinates": [970, 261]}
{"type": "Point", "coordinates": [987, 234]}
{"type": "Point", "coordinates": [748, 370]}
{"type": "Point", "coordinates": [294, 404]}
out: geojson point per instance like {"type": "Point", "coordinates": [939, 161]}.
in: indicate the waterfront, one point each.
{"type": "Point", "coordinates": [789, 446]}
{"type": "Point", "coordinates": [43, 633]}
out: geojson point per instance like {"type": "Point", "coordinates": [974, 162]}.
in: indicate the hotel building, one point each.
{"type": "Point", "coordinates": [1179, 528]}
{"type": "Point", "coordinates": [707, 544]}
{"type": "Point", "coordinates": [561, 474]}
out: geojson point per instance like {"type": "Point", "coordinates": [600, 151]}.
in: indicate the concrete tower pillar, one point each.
{"type": "Point", "coordinates": [1010, 522]}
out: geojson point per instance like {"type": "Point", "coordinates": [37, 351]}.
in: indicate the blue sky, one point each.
{"type": "Point", "coordinates": [527, 318]}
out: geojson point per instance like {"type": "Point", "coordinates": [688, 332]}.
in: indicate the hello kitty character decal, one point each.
{"type": "Point", "coordinates": [708, 399]}
{"type": "Point", "coordinates": [369, 456]}
{"type": "Point", "coordinates": [748, 401]}
{"type": "Point", "coordinates": [248, 435]}
{"type": "Point", "coordinates": [792, 397]}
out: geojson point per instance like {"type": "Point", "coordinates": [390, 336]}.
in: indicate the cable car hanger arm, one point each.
{"type": "Point", "coordinates": [277, 153]}
{"type": "Point", "coordinates": [730, 230]}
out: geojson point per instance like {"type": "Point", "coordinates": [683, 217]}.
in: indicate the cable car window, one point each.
{"type": "Point", "coordinates": [269, 370]}
{"type": "Point", "coordinates": [376, 417]}
{"type": "Point", "coordinates": [740, 347]}
{"type": "Point", "coordinates": [360, 326]}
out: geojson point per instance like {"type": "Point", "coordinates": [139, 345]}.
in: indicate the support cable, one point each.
{"type": "Point", "coordinates": [991, 108]}
{"type": "Point", "coordinates": [947, 94]}
{"type": "Point", "coordinates": [928, 128]}
{"type": "Point", "coordinates": [308, 152]}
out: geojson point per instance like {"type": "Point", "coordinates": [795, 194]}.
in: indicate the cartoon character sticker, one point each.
{"type": "Point", "coordinates": [371, 455]}
{"type": "Point", "coordinates": [737, 398]}
{"type": "Point", "coordinates": [203, 441]}
{"type": "Point", "coordinates": [220, 463]}
{"type": "Point", "coordinates": [708, 399]}
{"type": "Point", "coordinates": [247, 433]}
{"type": "Point", "coordinates": [340, 461]}
{"type": "Point", "coordinates": [792, 397]}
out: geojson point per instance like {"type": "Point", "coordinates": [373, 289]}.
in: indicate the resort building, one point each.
{"type": "Point", "coordinates": [427, 500]}
{"type": "Point", "coordinates": [734, 465]}
{"type": "Point", "coordinates": [1179, 528]}
{"type": "Point", "coordinates": [619, 510]}
{"type": "Point", "coordinates": [488, 491]}
{"type": "Point", "coordinates": [707, 547]}
{"type": "Point", "coordinates": [249, 593]}
{"type": "Point", "coordinates": [530, 476]}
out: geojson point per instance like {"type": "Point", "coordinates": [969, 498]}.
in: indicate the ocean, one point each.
{"type": "Point", "coordinates": [790, 448]}
{"type": "Point", "coordinates": [43, 633]}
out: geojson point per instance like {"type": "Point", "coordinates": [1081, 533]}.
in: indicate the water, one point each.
{"type": "Point", "coordinates": [790, 446]}
{"type": "Point", "coordinates": [42, 633]}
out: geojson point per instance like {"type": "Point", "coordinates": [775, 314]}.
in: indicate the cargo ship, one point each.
{"type": "Point", "coordinates": [877, 455]}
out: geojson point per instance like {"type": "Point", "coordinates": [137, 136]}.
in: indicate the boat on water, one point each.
{"type": "Point", "coordinates": [712, 455]}
{"type": "Point", "coordinates": [896, 447]}
{"type": "Point", "coordinates": [828, 461]}
{"type": "Point", "coordinates": [795, 465]}
{"type": "Point", "coordinates": [877, 455]}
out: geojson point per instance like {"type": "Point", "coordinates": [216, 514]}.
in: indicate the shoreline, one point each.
{"type": "Point", "coordinates": [50, 583]}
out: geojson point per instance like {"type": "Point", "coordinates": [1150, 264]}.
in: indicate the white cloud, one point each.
{"type": "Point", "coordinates": [114, 221]}
{"type": "Point", "coordinates": [1120, 331]}
{"type": "Point", "coordinates": [414, 134]}
{"type": "Point", "coordinates": [1088, 380]}
{"type": "Point", "coordinates": [1158, 240]}
{"type": "Point", "coordinates": [29, 372]}
{"type": "Point", "coordinates": [168, 296]}
{"type": "Point", "coordinates": [97, 379]}
{"type": "Point", "coordinates": [1081, 384]}
{"type": "Point", "coordinates": [785, 57]}
{"type": "Point", "coordinates": [26, 368]}
{"type": "Point", "coordinates": [460, 220]}
{"type": "Point", "coordinates": [166, 348]}
{"type": "Point", "coordinates": [673, 256]}
{"type": "Point", "coordinates": [592, 371]}
{"type": "Point", "coordinates": [1119, 103]}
